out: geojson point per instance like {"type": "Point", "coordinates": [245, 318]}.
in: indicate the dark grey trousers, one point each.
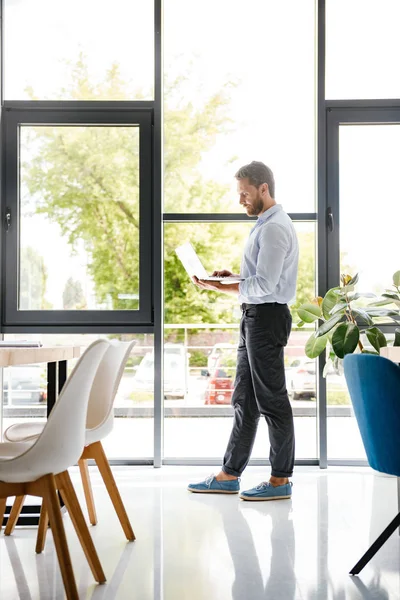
{"type": "Point", "coordinates": [260, 389]}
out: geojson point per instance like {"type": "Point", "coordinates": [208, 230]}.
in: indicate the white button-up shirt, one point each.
{"type": "Point", "coordinates": [270, 260]}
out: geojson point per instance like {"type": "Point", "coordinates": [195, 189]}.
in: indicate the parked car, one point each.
{"type": "Point", "coordinates": [27, 385]}
{"type": "Point", "coordinates": [301, 379]}
{"type": "Point", "coordinates": [176, 372]}
{"type": "Point", "coordinates": [221, 374]}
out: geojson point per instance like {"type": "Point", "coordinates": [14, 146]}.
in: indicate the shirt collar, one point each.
{"type": "Point", "coordinates": [268, 213]}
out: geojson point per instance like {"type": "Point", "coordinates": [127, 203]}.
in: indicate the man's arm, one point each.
{"type": "Point", "coordinates": [274, 244]}
{"type": "Point", "coordinates": [217, 286]}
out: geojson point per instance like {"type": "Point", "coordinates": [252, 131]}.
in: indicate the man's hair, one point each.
{"type": "Point", "coordinates": [257, 173]}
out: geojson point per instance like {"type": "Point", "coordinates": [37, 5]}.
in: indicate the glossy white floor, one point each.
{"type": "Point", "coordinates": [206, 547]}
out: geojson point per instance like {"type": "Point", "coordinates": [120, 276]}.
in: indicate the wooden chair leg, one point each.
{"type": "Point", "coordinates": [14, 514]}
{"type": "Point", "coordinates": [50, 496]}
{"type": "Point", "coordinates": [74, 509]}
{"type": "Point", "coordinates": [42, 529]}
{"type": "Point", "coordinates": [97, 451]}
{"type": "Point", "coordinates": [87, 488]}
{"type": "Point", "coordinates": [3, 502]}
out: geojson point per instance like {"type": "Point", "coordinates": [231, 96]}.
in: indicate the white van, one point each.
{"type": "Point", "coordinates": [176, 372]}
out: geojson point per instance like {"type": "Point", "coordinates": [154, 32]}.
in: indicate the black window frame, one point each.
{"type": "Point", "coordinates": [342, 113]}
{"type": "Point", "coordinates": [98, 114]}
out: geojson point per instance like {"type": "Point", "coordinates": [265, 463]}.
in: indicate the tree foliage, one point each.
{"type": "Point", "coordinates": [86, 179]}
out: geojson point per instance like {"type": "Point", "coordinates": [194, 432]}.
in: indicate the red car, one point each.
{"type": "Point", "coordinates": [221, 377]}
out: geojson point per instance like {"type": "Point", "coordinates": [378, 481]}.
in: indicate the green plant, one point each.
{"type": "Point", "coordinates": [346, 324]}
{"type": "Point", "coordinates": [391, 296]}
{"type": "Point", "coordinates": [198, 358]}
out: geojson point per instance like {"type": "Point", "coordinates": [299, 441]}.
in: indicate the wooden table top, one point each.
{"type": "Point", "coordinates": [11, 356]}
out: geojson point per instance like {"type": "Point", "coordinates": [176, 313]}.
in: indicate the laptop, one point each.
{"type": "Point", "coordinates": [193, 265]}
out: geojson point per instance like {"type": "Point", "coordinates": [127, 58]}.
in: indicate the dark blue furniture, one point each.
{"type": "Point", "coordinates": [374, 386]}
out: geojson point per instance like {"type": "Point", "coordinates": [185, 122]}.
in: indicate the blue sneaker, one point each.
{"type": "Point", "coordinates": [266, 491]}
{"type": "Point", "coordinates": [211, 486]}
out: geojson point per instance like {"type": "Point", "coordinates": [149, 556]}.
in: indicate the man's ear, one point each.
{"type": "Point", "coordinates": [264, 188]}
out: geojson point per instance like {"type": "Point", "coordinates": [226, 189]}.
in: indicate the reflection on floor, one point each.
{"type": "Point", "coordinates": [206, 547]}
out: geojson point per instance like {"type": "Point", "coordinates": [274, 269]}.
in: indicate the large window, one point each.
{"type": "Point", "coordinates": [201, 336]}
{"type": "Point", "coordinates": [123, 125]}
{"type": "Point", "coordinates": [49, 48]}
{"type": "Point", "coordinates": [226, 104]}
{"type": "Point", "coordinates": [231, 72]}
{"type": "Point", "coordinates": [363, 147]}
{"type": "Point", "coordinates": [25, 396]}
{"type": "Point", "coordinates": [362, 49]}
{"type": "Point", "coordinates": [78, 203]}
{"type": "Point", "coordinates": [79, 218]}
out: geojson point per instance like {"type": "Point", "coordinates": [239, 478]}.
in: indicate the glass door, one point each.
{"type": "Point", "coordinates": [364, 199]}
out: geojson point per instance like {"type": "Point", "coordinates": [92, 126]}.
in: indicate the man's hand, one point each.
{"type": "Point", "coordinates": [223, 273]}
{"type": "Point", "coordinates": [214, 286]}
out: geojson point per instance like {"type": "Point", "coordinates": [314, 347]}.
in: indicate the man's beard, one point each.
{"type": "Point", "coordinates": [257, 207]}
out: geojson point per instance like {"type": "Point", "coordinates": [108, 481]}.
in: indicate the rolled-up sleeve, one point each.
{"type": "Point", "coordinates": [274, 242]}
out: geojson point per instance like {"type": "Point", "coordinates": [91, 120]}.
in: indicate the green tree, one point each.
{"type": "Point", "coordinates": [86, 179]}
{"type": "Point", "coordinates": [33, 280]}
{"type": "Point", "coordinates": [219, 246]}
{"type": "Point", "coordinates": [73, 296]}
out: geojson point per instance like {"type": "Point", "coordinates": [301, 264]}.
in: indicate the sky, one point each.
{"type": "Point", "coordinates": [266, 48]}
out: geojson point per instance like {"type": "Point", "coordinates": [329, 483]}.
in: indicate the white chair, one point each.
{"type": "Point", "coordinates": [99, 423]}
{"type": "Point", "coordinates": [39, 468]}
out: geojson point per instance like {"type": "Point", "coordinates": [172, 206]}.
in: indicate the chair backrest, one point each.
{"type": "Point", "coordinates": [106, 382]}
{"type": "Point", "coordinates": [374, 386]}
{"type": "Point", "coordinates": [63, 438]}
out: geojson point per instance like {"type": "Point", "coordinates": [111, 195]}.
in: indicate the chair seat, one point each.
{"type": "Point", "coordinates": [23, 432]}
{"type": "Point", "coordinates": [98, 433]}
{"type": "Point", "coordinates": [29, 432]}
{"type": "Point", "coordinates": [12, 450]}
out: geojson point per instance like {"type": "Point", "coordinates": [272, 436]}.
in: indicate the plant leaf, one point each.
{"type": "Point", "coordinates": [377, 312]}
{"type": "Point", "coordinates": [299, 324]}
{"type": "Point", "coordinates": [345, 279]}
{"type": "Point", "coordinates": [359, 312]}
{"type": "Point", "coordinates": [339, 306]}
{"type": "Point", "coordinates": [385, 302]}
{"type": "Point", "coordinates": [309, 312]}
{"type": "Point", "coordinates": [396, 337]}
{"type": "Point", "coordinates": [328, 325]}
{"type": "Point", "coordinates": [353, 281]}
{"type": "Point", "coordinates": [347, 288]}
{"type": "Point", "coordinates": [369, 352]}
{"type": "Point", "coordinates": [315, 345]}
{"type": "Point", "coordinates": [317, 300]}
{"type": "Point", "coordinates": [329, 301]}
{"type": "Point", "coordinates": [376, 338]}
{"type": "Point", "coordinates": [356, 295]}
{"type": "Point", "coordinates": [396, 279]}
{"type": "Point", "coordinates": [345, 339]}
